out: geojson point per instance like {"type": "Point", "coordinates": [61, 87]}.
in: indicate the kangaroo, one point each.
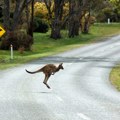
{"type": "Point", "coordinates": [48, 70]}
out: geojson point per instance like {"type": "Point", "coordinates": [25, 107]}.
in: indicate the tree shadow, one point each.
{"type": "Point", "coordinates": [59, 59]}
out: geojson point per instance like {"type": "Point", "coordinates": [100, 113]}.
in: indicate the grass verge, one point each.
{"type": "Point", "coordinates": [45, 46]}
{"type": "Point", "coordinates": [115, 77]}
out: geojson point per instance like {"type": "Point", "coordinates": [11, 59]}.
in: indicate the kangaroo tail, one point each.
{"type": "Point", "coordinates": [32, 72]}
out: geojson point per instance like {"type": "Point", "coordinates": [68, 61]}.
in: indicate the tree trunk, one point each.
{"type": "Point", "coordinates": [56, 21]}
{"type": "Point", "coordinates": [55, 29]}
{"type": "Point", "coordinates": [86, 23]}
{"type": "Point", "coordinates": [6, 14]}
{"type": "Point", "coordinates": [73, 19]}
{"type": "Point", "coordinates": [86, 27]}
{"type": "Point", "coordinates": [71, 27]}
{"type": "Point", "coordinates": [30, 25]}
{"type": "Point", "coordinates": [76, 25]}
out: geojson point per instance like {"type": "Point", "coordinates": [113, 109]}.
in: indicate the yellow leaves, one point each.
{"type": "Point", "coordinates": [40, 8]}
{"type": "Point", "coordinates": [66, 9]}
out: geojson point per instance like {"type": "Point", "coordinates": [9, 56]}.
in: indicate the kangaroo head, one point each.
{"type": "Point", "coordinates": [60, 66]}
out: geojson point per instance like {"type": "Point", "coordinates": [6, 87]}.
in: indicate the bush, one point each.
{"type": "Point", "coordinates": [18, 39]}
{"type": "Point", "coordinates": [108, 13]}
{"type": "Point", "coordinates": [40, 25]}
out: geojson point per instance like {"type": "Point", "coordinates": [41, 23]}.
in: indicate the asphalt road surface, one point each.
{"type": "Point", "coordinates": [82, 91]}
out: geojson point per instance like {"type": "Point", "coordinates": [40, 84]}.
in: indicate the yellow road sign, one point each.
{"type": "Point", "coordinates": [2, 31]}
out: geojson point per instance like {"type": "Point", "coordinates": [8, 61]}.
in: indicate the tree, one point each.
{"type": "Point", "coordinates": [107, 9]}
{"type": "Point", "coordinates": [80, 15]}
{"type": "Point", "coordinates": [116, 9]}
{"type": "Point", "coordinates": [86, 16]}
{"type": "Point", "coordinates": [19, 7]}
{"type": "Point", "coordinates": [30, 24]}
{"type": "Point", "coordinates": [11, 23]}
{"type": "Point", "coordinates": [55, 20]}
{"type": "Point", "coordinates": [77, 10]}
{"type": "Point", "coordinates": [74, 22]}
{"type": "Point", "coordinates": [6, 14]}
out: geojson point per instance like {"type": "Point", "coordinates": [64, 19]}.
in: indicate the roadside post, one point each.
{"type": "Point", "coordinates": [11, 50]}
{"type": "Point", "coordinates": [108, 20]}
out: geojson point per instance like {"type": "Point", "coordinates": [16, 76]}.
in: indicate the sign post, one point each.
{"type": "Point", "coordinates": [11, 49]}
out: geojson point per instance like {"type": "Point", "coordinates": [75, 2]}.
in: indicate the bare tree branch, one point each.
{"type": "Point", "coordinates": [18, 11]}
{"type": "Point", "coordinates": [48, 6]}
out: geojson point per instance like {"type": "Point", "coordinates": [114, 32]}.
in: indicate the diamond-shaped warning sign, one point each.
{"type": "Point", "coordinates": [2, 31]}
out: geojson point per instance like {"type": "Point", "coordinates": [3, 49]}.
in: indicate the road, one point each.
{"type": "Point", "coordinates": [82, 91]}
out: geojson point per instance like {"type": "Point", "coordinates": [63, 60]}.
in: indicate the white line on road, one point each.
{"type": "Point", "coordinates": [84, 117]}
{"type": "Point", "coordinates": [59, 98]}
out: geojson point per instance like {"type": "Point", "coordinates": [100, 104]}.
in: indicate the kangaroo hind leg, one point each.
{"type": "Point", "coordinates": [45, 81]}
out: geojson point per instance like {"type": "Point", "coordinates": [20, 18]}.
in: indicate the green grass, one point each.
{"type": "Point", "coordinates": [45, 46]}
{"type": "Point", "coordinates": [115, 77]}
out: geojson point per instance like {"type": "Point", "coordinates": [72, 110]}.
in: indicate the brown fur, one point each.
{"type": "Point", "coordinates": [48, 70]}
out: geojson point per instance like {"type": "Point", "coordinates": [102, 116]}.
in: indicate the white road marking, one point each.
{"type": "Point", "coordinates": [59, 98]}
{"type": "Point", "coordinates": [84, 117]}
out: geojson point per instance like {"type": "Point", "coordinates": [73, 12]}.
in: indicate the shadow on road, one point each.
{"type": "Point", "coordinates": [58, 59]}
